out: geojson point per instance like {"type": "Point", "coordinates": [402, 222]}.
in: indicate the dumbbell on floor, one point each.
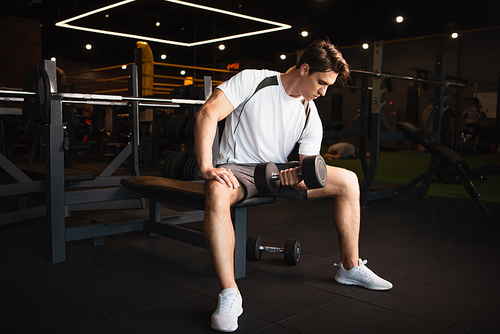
{"type": "Point", "coordinates": [314, 174]}
{"type": "Point", "coordinates": [291, 250]}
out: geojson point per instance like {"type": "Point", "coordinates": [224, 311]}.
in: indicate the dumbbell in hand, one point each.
{"type": "Point", "coordinates": [291, 250]}
{"type": "Point", "coordinates": [314, 174]}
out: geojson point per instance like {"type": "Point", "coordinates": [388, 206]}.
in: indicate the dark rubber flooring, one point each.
{"type": "Point", "coordinates": [439, 253]}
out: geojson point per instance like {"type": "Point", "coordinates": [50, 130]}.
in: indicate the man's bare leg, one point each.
{"type": "Point", "coordinates": [219, 230]}
{"type": "Point", "coordinates": [343, 186]}
{"type": "Point", "coordinates": [219, 233]}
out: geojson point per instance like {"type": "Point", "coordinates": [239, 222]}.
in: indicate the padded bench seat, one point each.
{"type": "Point", "coordinates": [190, 194]}
{"type": "Point", "coordinates": [183, 190]}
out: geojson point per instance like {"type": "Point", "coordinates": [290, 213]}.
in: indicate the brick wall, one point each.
{"type": "Point", "coordinates": [20, 47]}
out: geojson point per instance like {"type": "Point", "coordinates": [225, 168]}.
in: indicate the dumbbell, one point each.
{"type": "Point", "coordinates": [314, 174]}
{"type": "Point", "coordinates": [291, 250]}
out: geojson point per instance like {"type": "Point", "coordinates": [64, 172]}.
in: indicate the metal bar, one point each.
{"type": "Point", "coordinates": [98, 195]}
{"type": "Point", "coordinates": [134, 120]}
{"type": "Point", "coordinates": [100, 230]}
{"type": "Point", "coordinates": [239, 217]}
{"type": "Point", "coordinates": [12, 170]}
{"type": "Point", "coordinates": [12, 189]}
{"type": "Point", "coordinates": [403, 77]}
{"type": "Point", "coordinates": [55, 178]}
{"type": "Point", "coordinates": [195, 67]}
{"type": "Point", "coordinates": [375, 124]}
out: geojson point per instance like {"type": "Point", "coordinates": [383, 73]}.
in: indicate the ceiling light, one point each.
{"type": "Point", "coordinates": [183, 72]}
{"type": "Point", "coordinates": [399, 19]}
{"type": "Point", "coordinates": [454, 35]}
{"type": "Point", "coordinates": [366, 46]}
{"type": "Point", "coordinates": [283, 57]}
{"type": "Point", "coordinates": [88, 46]}
{"type": "Point", "coordinates": [163, 56]}
{"type": "Point", "coordinates": [157, 24]}
{"type": "Point", "coordinates": [53, 59]}
{"type": "Point", "coordinates": [222, 47]}
{"type": "Point", "coordinates": [278, 26]}
{"type": "Point", "coordinates": [124, 67]}
{"type": "Point", "coordinates": [304, 33]}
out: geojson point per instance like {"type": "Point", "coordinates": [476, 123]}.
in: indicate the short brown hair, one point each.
{"type": "Point", "coordinates": [322, 56]}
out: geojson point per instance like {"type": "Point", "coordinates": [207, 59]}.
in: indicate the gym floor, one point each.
{"type": "Point", "coordinates": [439, 253]}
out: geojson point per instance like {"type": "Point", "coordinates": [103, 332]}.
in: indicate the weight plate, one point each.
{"type": "Point", "coordinates": [37, 107]}
{"type": "Point", "coordinates": [187, 169]}
{"type": "Point", "coordinates": [314, 171]}
{"type": "Point", "coordinates": [253, 247]}
{"type": "Point", "coordinates": [176, 165]}
{"type": "Point", "coordinates": [263, 178]}
{"type": "Point", "coordinates": [164, 167]}
{"type": "Point", "coordinates": [292, 252]}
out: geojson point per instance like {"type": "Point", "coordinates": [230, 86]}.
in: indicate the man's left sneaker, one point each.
{"type": "Point", "coordinates": [361, 275]}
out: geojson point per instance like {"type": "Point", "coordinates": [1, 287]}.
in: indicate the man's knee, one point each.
{"type": "Point", "coordinates": [344, 182]}
{"type": "Point", "coordinates": [220, 194]}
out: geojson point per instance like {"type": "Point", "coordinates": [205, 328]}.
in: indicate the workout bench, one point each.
{"type": "Point", "coordinates": [192, 195]}
{"type": "Point", "coordinates": [456, 161]}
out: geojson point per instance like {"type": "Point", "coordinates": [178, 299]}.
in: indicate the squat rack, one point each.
{"type": "Point", "coordinates": [371, 113]}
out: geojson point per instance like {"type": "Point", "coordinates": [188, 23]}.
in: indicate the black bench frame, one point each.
{"type": "Point", "coordinates": [160, 190]}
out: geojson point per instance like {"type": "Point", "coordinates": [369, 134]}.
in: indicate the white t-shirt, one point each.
{"type": "Point", "coordinates": [270, 124]}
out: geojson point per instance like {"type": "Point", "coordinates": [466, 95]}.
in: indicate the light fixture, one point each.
{"type": "Point", "coordinates": [366, 46]}
{"type": "Point", "coordinates": [222, 47]}
{"type": "Point", "coordinates": [454, 35]}
{"type": "Point", "coordinates": [124, 67]}
{"type": "Point", "coordinates": [399, 19]}
{"type": "Point", "coordinates": [157, 24]}
{"type": "Point", "coordinates": [88, 46]}
{"type": "Point", "coordinates": [278, 26]}
{"type": "Point", "coordinates": [163, 56]}
{"type": "Point", "coordinates": [183, 72]}
{"type": "Point", "coordinates": [53, 59]}
{"type": "Point", "coordinates": [283, 56]}
{"type": "Point", "coordinates": [304, 33]}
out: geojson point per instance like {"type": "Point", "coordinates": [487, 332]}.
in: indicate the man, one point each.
{"type": "Point", "coordinates": [264, 125]}
{"type": "Point", "coordinates": [473, 116]}
{"type": "Point", "coordinates": [341, 150]}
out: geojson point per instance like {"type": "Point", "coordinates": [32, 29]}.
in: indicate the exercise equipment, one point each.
{"type": "Point", "coordinates": [313, 173]}
{"type": "Point", "coordinates": [291, 251]}
{"type": "Point", "coordinates": [455, 160]}
{"type": "Point", "coordinates": [37, 105]}
{"type": "Point", "coordinates": [191, 195]}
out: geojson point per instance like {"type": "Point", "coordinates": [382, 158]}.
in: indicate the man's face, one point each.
{"type": "Point", "coordinates": [315, 85]}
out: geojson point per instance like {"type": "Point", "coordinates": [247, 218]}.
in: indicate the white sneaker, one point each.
{"type": "Point", "coordinates": [229, 308]}
{"type": "Point", "coordinates": [361, 275]}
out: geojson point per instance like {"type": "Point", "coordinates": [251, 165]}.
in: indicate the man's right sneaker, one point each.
{"type": "Point", "coordinates": [361, 275]}
{"type": "Point", "coordinates": [229, 308]}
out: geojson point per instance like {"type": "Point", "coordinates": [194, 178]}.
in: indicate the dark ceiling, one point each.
{"type": "Point", "coordinates": [344, 22]}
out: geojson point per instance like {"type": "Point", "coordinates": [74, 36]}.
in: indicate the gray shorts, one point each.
{"type": "Point", "coordinates": [245, 175]}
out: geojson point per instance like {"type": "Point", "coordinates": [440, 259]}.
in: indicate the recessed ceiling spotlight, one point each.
{"type": "Point", "coordinates": [183, 72]}
{"type": "Point", "coordinates": [454, 35]}
{"type": "Point", "coordinates": [222, 47]}
{"type": "Point", "coordinates": [283, 56]}
{"type": "Point", "coordinates": [366, 46]}
{"type": "Point", "coordinates": [163, 56]}
{"type": "Point", "coordinates": [399, 19]}
{"type": "Point", "coordinates": [88, 46]}
{"type": "Point", "coordinates": [53, 59]}
{"type": "Point", "coordinates": [158, 24]}
{"type": "Point", "coordinates": [124, 67]}
{"type": "Point", "coordinates": [304, 33]}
